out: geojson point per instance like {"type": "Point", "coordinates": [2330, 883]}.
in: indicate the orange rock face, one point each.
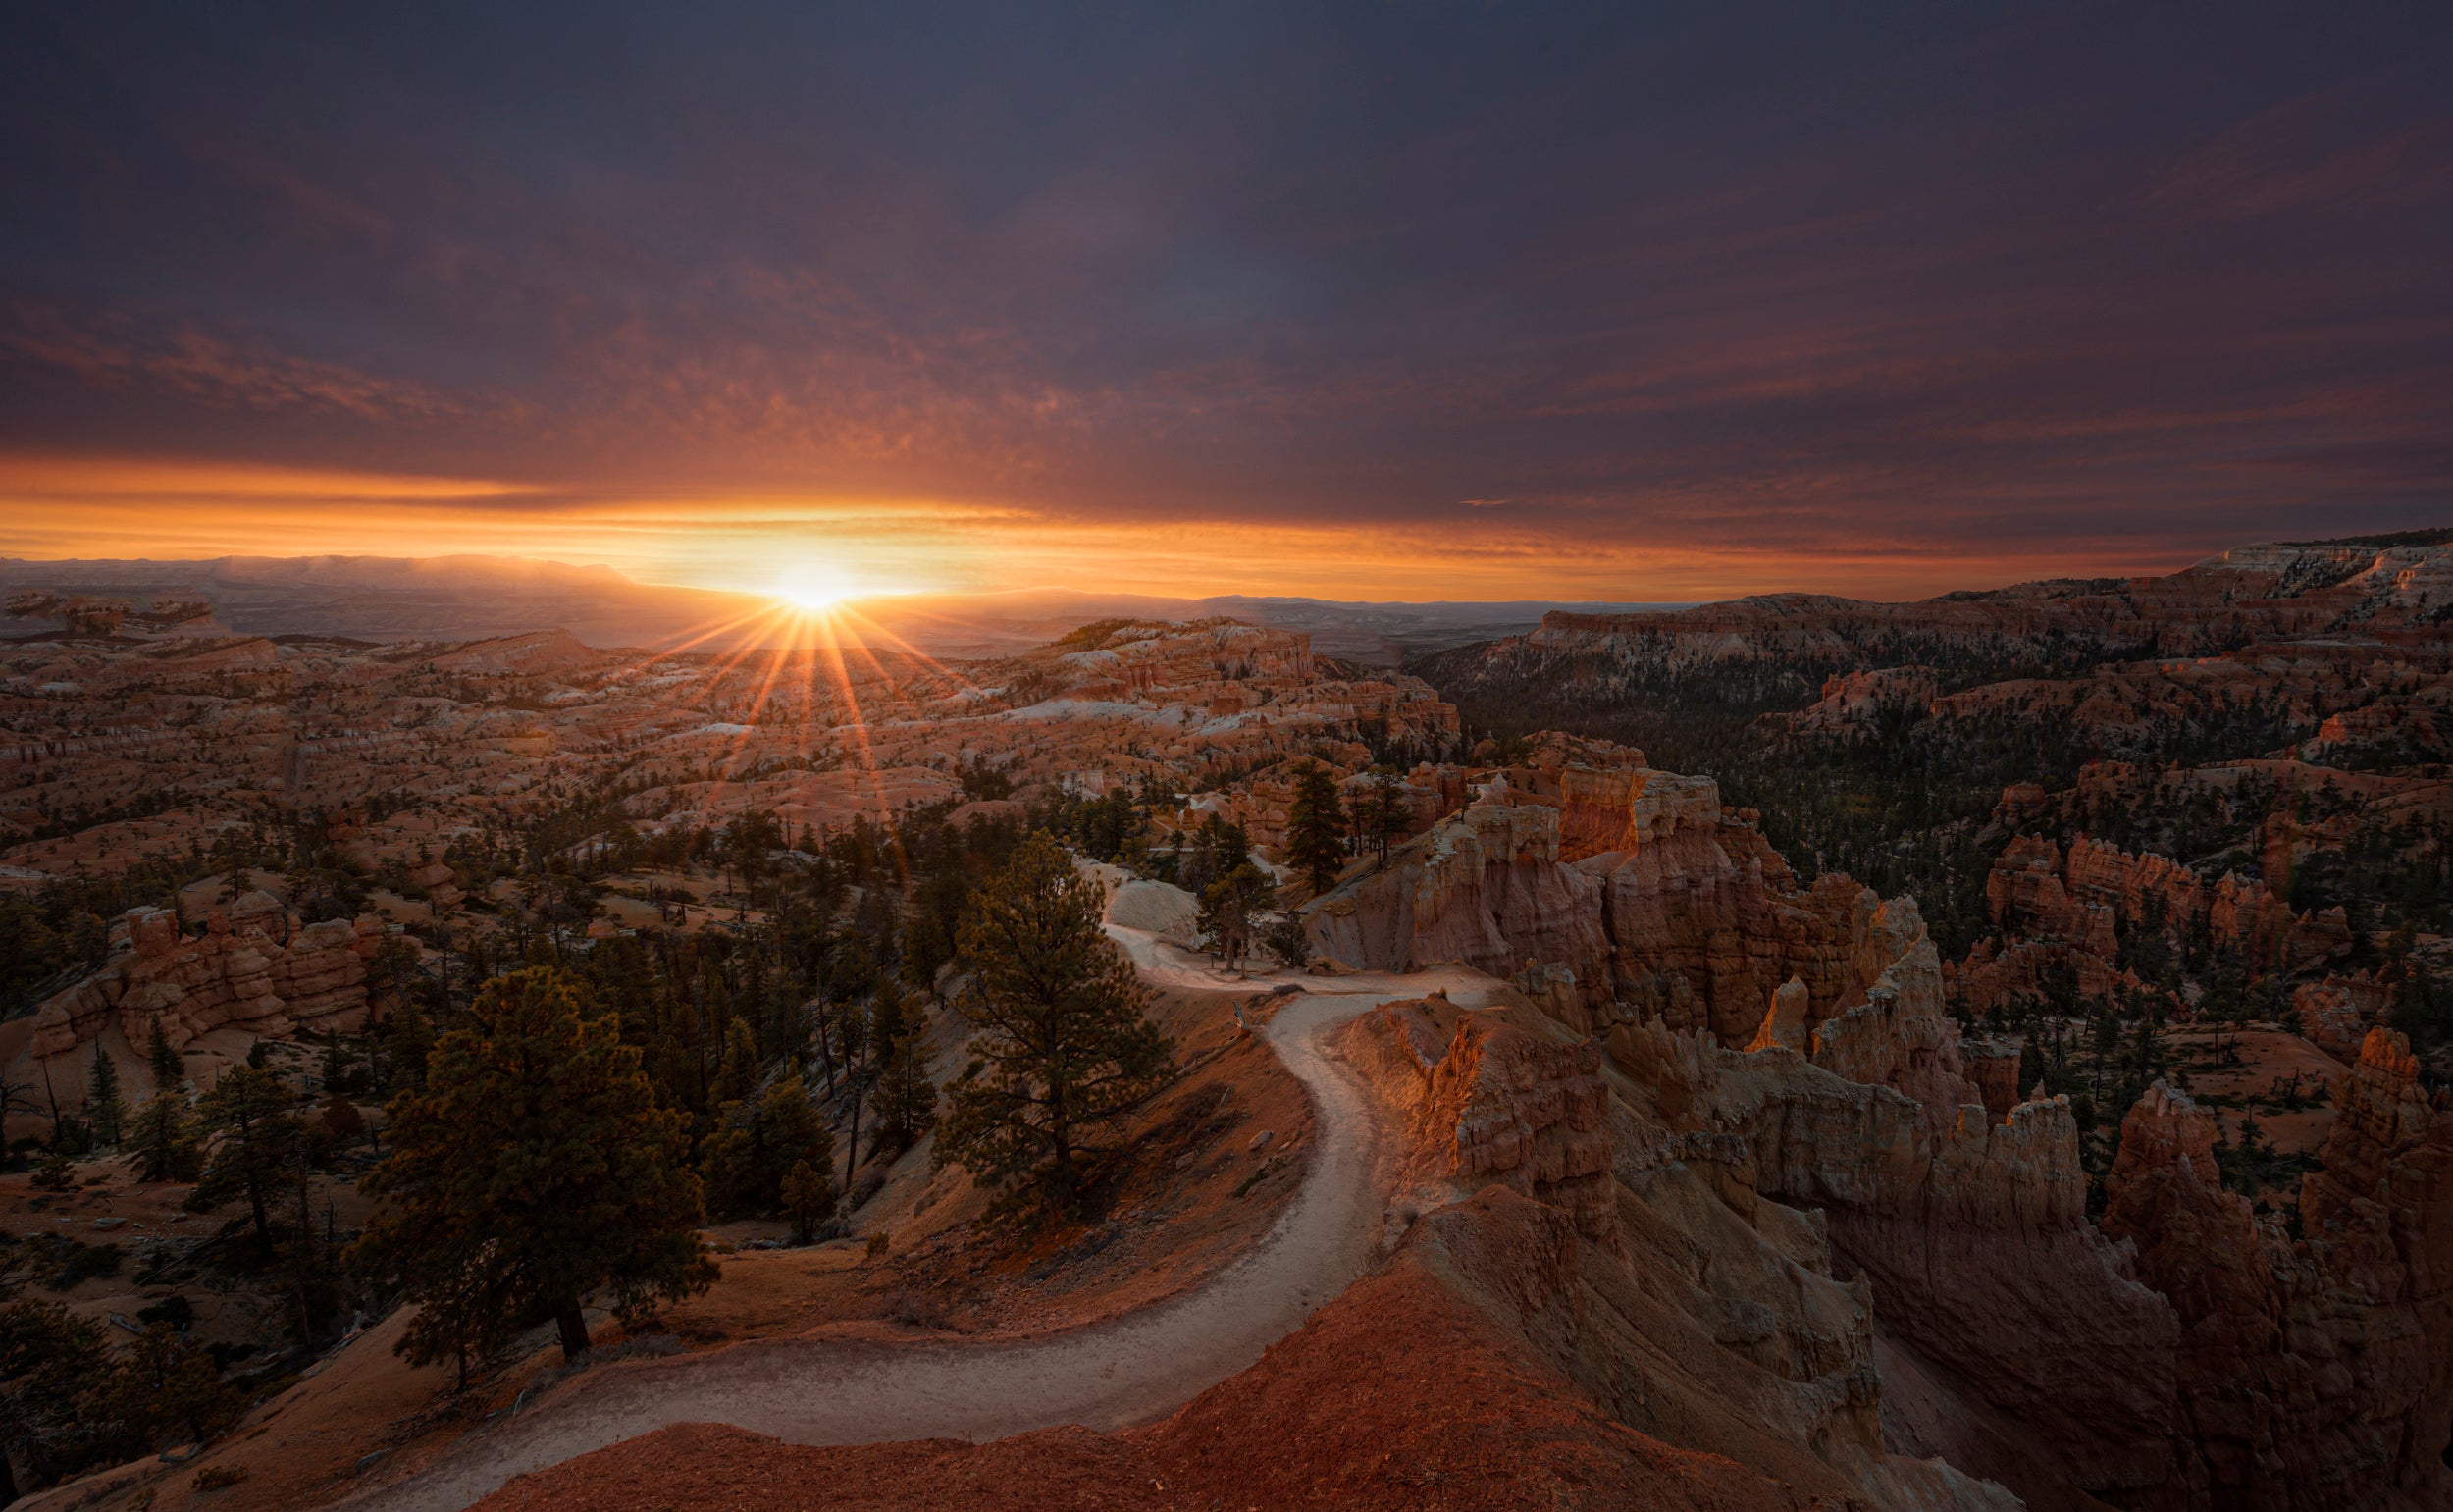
{"type": "Point", "coordinates": [1496, 1105]}
{"type": "Point", "coordinates": [249, 978]}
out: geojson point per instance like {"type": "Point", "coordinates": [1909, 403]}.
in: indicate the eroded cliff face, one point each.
{"type": "Point", "coordinates": [2314, 1372]}
{"type": "Point", "coordinates": [1484, 887]}
{"type": "Point", "coordinates": [2179, 1355]}
{"type": "Point", "coordinates": [241, 974]}
{"type": "Point", "coordinates": [1969, 1230]}
{"type": "Point", "coordinates": [1635, 885]}
{"type": "Point", "coordinates": [1716, 1326]}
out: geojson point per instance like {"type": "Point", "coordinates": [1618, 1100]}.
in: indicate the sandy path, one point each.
{"type": "Point", "coordinates": [1127, 1370]}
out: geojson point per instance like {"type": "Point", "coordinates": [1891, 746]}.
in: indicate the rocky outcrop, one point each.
{"type": "Point", "coordinates": [1784, 1022]}
{"type": "Point", "coordinates": [2318, 1373]}
{"type": "Point", "coordinates": [1493, 1104]}
{"type": "Point", "coordinates": [1718, 1330]}
{"type": "Point", "coordinates": [1971, 1230]}
{"type": "Point", "coordinates": [2338, 1012]}
{"type": "Point", "coordinates": [1684, 913]}
{"type": "Point", "coordinates": [2067, 912]}
{"type": "Point", "coordinates": [243, 977]}
{"type": "Point", "coordinates": [1991, 1066]}
{"type": "Point", "coordinates": [1484, 887]}
{"type": "Point", "coordinates": [1856, 705]}
{"type": "Point", "coordinates": [1528, 1115]}
{"type": "Point", "coordinates": [442, 885]}
{"type": "Point", "coordinates": [1706, 922]}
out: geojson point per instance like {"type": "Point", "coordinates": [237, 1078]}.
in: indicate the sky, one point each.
{"type": "Point", "coordinates": [1426, 300]}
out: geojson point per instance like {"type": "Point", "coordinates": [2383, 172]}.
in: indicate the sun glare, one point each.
{"type": "Point", "coordinates": [814, 587]}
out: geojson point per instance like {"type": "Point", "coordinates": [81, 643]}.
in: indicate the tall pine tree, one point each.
{"type": "Point", "coordinates": [168, 1070]}
{"type": "Point", "coordinates": [907, 1094]}
{"type": "Point", "coordinates": [1227, 905]}
{"type": "Point", "coordinates": [165, 1139]}
{"type": "Point", "coordinates": [105, 1109]}
{"type": "Point", "coordinates": [758, 1143]}
{"type": "Point", "coordinates": [1316, 826]}
{"type": "Point", "coordinates": [253, 1116]}
{"type": "Point", "coordinates": [1059, 1028]}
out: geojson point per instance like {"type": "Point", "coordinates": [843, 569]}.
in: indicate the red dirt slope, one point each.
{"type": "Point", "coordinates": [1401, 1394]}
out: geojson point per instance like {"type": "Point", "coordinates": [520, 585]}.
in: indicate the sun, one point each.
{"type": "Point", "coordinates": [814, 588]}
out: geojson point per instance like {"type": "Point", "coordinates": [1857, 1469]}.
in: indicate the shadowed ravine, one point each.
{"type": "Point", "coordinates": [1123, 1371]}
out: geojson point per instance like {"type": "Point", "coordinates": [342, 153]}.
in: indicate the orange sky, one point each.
{"type": "Point", "coordinates": [1563, 302]}
{"type": "Point", "coordinates": [52, 507]}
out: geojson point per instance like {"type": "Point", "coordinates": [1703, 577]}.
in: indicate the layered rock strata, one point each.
{"type": "Point", "coordinates": [1639, 884]}
{"type": "Point", "coordinates": [1496, 1105]}
{"type": "Point", "coordinates": [1719, 1330]}
{"type": "Point", "coordinates": [241, 976]}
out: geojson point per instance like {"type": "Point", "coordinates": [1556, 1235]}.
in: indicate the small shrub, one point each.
{"type": "Point", "coordinates": [213, 1478]}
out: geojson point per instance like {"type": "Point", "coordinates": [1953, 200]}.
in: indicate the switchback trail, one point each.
{"type": "Point", "coordinates": [1127, 1369]}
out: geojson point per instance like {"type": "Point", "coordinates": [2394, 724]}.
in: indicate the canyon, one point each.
{"type": "Point", "coordinates": [2083, 1141]}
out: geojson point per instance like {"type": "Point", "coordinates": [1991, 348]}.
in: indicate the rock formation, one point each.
{"type": "Point", "coordinates": [1971, 1230]}
{"type": "Point", "coordinates": [2314, 1372]}
{"type": "Point", "coordinates": [1784, 1022]}
{"type": "Point", "coordinates": [2336, 1013]}
{"type": "Point", "coordinates": [2070, 910]}
{"type": "Point", "coordinates": [243, 975]}
{"type": "Point", "coordinates": [1496, 1103]}
{"type": "Point", "coordinates": [1716, 1326]}
{"type": "Point", "coordinates": [1484, 887]}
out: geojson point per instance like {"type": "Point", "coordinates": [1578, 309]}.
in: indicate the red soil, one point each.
{"type": "Point", "coordinates": [1399, 1394]}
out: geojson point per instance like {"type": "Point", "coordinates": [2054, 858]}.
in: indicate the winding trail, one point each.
{"type": "Point", "coordinates": [1130, 1369]}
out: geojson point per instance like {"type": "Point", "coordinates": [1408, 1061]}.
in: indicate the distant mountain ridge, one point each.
{"type": "Point", "coordinates": [464, 597]}
{"type": "Point", "coordinates": [2368, 585]}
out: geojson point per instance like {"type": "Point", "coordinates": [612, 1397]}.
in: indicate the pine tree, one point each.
{"type": "Point", "coordinates": [737, 1077]}
{"type": "Point", "coordinates": [167, 1390]}
{"type": "Point", "coordinates": [334, 1070]}
{"type": "Point", "coordinates": [50, 1359]}
{"type": "Point", "coordinates": [254, 1117]}
{"type": "Point", "coordinates": [168, 1070]}
{"type": "Point", "coordinates": [105, 1109]}
{"type": "Point", "coordinates": [533, 1171]}
{"type": "Point", "coordinates": [1315, 827]}
{"type": "Point", "coordinates": [868, 1038]}
{"type": "Point", "coordinates": [1065, 1046]}
{"type": "Point", "coordinates": [907, 1096]}
{"type": "Point", "coordinates": [1389, 813]}
{"type": "Point", "coordinates": [407, 1041]}
{"type": "Point", "coordinates": [756, 1144]}
{"type": "Point", "coordinates": [809, 1196]}
{"type": "Point", "coordinates": [1227, 905]}
{"type": "Point", "coordinates": [165, 1139]}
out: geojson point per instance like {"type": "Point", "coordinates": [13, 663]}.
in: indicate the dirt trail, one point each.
{"type": "Point", "coordinates": [1127, 1370]}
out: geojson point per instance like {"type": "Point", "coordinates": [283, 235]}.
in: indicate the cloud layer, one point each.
{"type": "Point", "coordinates": [1435, 300]}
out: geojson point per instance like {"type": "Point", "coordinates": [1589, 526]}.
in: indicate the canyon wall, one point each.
{"type": "Point", "coordinates": [2182, 1355]}
{"type": "Point", "coordinates": [1637, 884]}
{"type": "Point", "coordinates": [1719, 1331]}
